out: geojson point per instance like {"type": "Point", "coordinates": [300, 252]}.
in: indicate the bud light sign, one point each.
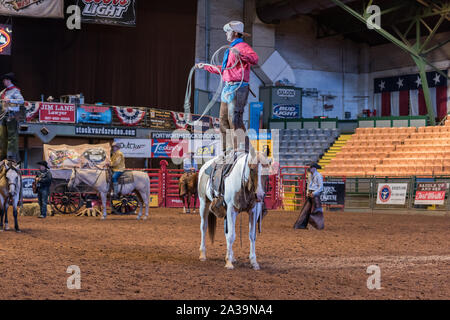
{"type": "Point", "coordinates": [286, 111]}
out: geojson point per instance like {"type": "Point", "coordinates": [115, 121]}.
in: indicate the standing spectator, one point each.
{"type": "Point", "coordinates": [43, 182]}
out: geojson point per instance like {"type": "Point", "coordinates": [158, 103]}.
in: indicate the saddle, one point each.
{"type": "Point", "coordinates": [221, 169]}
{"type": "Point", "coordinates": [126, 178]}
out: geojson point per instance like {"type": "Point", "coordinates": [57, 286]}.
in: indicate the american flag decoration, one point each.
{"type": "Point", "coordinates": [129, 116]}
{"type": "Point", "coordinates": [403, 95]}
{"type": "Point", "coordinates": [180, 120]}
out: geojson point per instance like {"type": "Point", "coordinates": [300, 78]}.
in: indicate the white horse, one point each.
{"type": "Point", "coordinates": [98, 180]}
{"type": "Point", "coordinates": [10, 191]}
{"type": "Point", "coordinates": [248, 174]}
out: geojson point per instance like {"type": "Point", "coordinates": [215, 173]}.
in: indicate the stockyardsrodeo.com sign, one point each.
{"type": "Point", "coordinates": [392, 193]}
{"type": "Point", "coordinates": [104, 131]}
{"type": "Point", "coordinates": [116, 12]}
{"type": "Point", "coordinates": [430, 193]}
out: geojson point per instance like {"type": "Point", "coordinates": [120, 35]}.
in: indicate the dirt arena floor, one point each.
{"type": "Point", "coordinates": [121, 258]}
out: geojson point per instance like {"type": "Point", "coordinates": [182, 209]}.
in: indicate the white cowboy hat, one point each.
{"type": "Point", "coordinates": [236, 26]}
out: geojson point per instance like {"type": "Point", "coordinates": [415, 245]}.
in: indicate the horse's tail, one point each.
{"type": "Point", "coordinates": [212, 223]}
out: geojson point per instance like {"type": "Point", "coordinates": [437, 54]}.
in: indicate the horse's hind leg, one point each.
{"type": "Point", "coordinates": [145, 201]}
{"type": "Point", "coordinates": [204, 211]}
{"type": "Point", "coordinates": [252, 234]}
{"type": "Point", "coordinates": [1, 217]}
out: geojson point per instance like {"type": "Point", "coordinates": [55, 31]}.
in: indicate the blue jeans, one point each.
{"type": "Point", "coordinates": [43, 200]}
{"type": "Point", "coordinates": [116, 176]}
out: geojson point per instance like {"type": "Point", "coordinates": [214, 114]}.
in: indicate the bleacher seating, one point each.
{"type": "Point", "coordinates": [422, 151]}
{"type": "Point", "coordinates": [301, 147]}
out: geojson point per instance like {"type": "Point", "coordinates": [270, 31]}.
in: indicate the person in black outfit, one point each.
{"type": "Point", "coordinates": [43, 181]}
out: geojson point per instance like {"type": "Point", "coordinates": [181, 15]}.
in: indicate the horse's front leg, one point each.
{"type": "Point", "coordinates": [230, 236]}
{"type": "Point", "coordinates": [195, 203]}
{"type": "Point", "coordinates": [6, 214]}
{"type": "Point", "coordinates": [253, 218]}
{"type": "Point", "coordinates": [1, 217]}
{"type": "Point", "coordinates": [16, 222]}
{"type": "Point", "coordinates": [104, 196]}
{"type": "Point", "coordinates": [204, 211]}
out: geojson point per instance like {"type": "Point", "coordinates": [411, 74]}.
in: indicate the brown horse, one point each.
{"type": "Point", "coordinates": [187, 187]}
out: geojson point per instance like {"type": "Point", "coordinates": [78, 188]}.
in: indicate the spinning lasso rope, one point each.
{"type": "Point", "coordinates": [214, 63]}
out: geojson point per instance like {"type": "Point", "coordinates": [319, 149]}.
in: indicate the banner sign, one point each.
{"type": "Point", "coordinates": [286, 111]}
{"type": "Point", "coordinates": [115, 12]}
{"type": "Point", "coordinates": [392, 193]}
{"type": "Point", "coordinates": [333, 193]}
{"type": "Point", "coordinates": [168, 148]}
{"type": "Point", "coordinates": [135, 148]}
{"type": "Point", "coordinates": [161, 120]}
{"type": "Point", "coordinates": [105, 131]}
{"type": "Point", "coordinates": [81, 156]}
{"type": "Point", "coordinates": [94, 114]}
{"type": "Point", "coordinates": [5, 39]}
{"type": "Point", "coordinates": [32, 8]}
{"type": "Point", "coordinates": [56, 112]}
{"type": "Point", "coordinates": [430, 193]}
{"type": "Point", "coordinates": [204, 149]}
{"type": "Point", "coordinates": [27, 189]}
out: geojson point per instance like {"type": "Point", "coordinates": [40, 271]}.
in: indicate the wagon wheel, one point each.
{"type": "Point", "coordinates": [65, 200]}
{"type": "Point", "coordinates": [125, 204]}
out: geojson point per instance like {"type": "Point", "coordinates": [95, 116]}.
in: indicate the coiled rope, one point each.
{"type": "Point", "coordinates": [214, 63]}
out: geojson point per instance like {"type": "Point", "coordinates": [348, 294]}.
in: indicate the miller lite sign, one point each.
{"type": "Point", "coordinates": [116, 12]}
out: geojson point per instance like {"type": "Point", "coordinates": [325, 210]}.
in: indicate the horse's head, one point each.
{"type": "Point", "coordinates": [13, 177]}
{"type": "Point", "coordinates": [74, 179]}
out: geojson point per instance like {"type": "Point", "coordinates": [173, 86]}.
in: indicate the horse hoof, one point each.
{"type": "Point", "coordinates": [6, 227]}
{"type": "Point", "coordinates": [202, 257]}
{"type": "Point", "coordinates": [18, 230]}
{"type": "Point", "coordinates": [138, 218]}
{"type": "Point", "coordinates": [229, 266]}
{"type": "Point", "coordinates": [103, 218]}
{"type": "Point", "coordinates": [145, 218]}
{"type": "Point", "coordinates": [255, 266]}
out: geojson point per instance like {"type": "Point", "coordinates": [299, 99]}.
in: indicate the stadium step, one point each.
{"type": "Point", "coordinates": [334, 150]}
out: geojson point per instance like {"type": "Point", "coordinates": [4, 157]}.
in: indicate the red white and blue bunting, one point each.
{"type": "Point", "coordinates": [129, 116]}
{"type": "Point", "coordinates": [179, 120]}
{"type": "Point", "coordinates": [32, 109]}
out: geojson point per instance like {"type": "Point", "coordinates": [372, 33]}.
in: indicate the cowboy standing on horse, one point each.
{"type": "Point", "coordinates": [235, 71]}
{"type": "Point", "coordinates": [312, 211]}
{"type": "Point", "coordinates": [236, 77]}
{"type": "Point", "coordinates": [190, 166]}
{"type": "Point", "coordinates": [43, 182]}
{"type": "Point", "coordinates": [117, 165]}
{"type": "Point", "coordinates": [10, 101]}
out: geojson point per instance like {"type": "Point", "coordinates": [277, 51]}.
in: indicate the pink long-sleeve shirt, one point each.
{"type": "Point", "coordinates": [248, 57]}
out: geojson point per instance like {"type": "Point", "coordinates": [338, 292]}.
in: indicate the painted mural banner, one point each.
{"type": "Point", "coordinates": [32, 8]}
{"type": "Point", "coordinates": [286, 111]}
{"type": "Point", "coordinates": [56, 112]}
{"type": "Point", "coordinates": [94, 114]}
{"type": "Point", "coordinates": [430, 193]}
{"type": "Point", "coordinates": [115, 12]}
{"type": "Point", "coordinates": [81, 156]}
{"type": "Point", "coordinates": [135, 148]}
{"type": "Point", "coordinates": [392, 193]}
